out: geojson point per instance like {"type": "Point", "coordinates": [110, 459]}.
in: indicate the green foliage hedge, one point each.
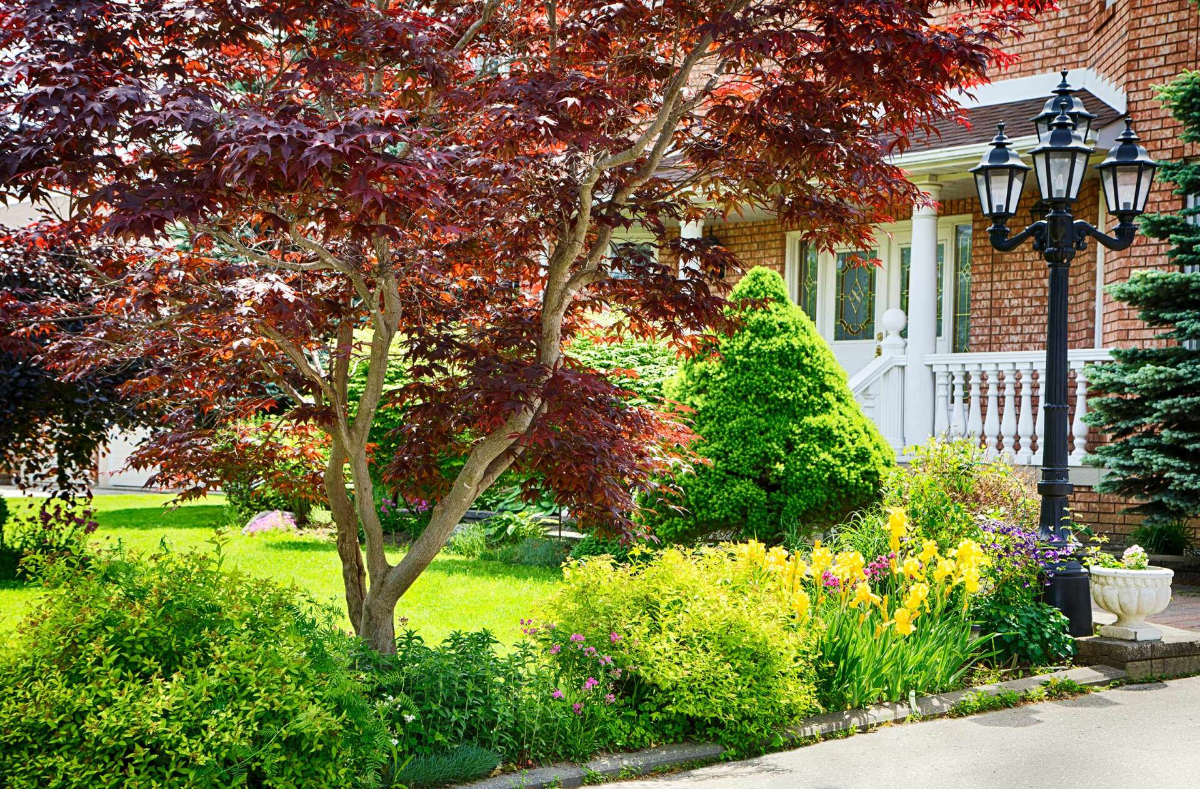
{"type": "Point", "coordinates": [689, 643]}
{"type": "Point", "coordinates": [169, 672]}
{"type": "Point", "coordinates": [790, 449]}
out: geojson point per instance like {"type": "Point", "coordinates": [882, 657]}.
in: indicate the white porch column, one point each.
{"type": "Point", "coordinates": [922, 319]}
{"type": "Point", "coordinates": [693, 230]}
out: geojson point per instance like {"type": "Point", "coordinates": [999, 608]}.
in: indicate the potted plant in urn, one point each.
{"type": "Point", "coordinates": [1131, 589]}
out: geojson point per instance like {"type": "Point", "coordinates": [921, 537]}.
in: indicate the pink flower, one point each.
{"type": "Point", "coordinates": [274, 520]}
{"type": "Point", "coordinates": [557, 694]}
{"type": "Point", "coordinates": [609, 699]}
{"type": "Point", "coordinates": [554, 650]}
{"type": "Point", "coordinates": [590, 683]}
{"type": "Point", "coordinates": [614, 637]}
{"type": "Point", "coordinates": [605, 660]}
{"type": "Point", "coordinates": [577, 638]}
{"type": "Point", "coordinates": [578, 708]}
{"type": "Point", "coordinates": [589, 651]}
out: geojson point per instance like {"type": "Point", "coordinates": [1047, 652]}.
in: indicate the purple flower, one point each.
{"type": "Point", "coordinates": [605, 660]}
{"type": "Point", "coordinates": [614, 637]}
{"type": "Point", "coordinates": [557, 694]}
{"type": "Point", "coordinates": [590, 683]}
{"type": "Point", "coordinates": [589, 651]}
{"type": "Point", "coordinates": [578, 708]}
{"type": "Point", "coordinates": [554, 650]}
{"type": "Point", "coordinates": [575, 637]}
{"type": "Point", "coordinates": [609, 699]}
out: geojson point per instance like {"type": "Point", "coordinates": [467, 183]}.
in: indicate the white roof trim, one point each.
{"type": "Point", "coordinates": [1041, 85]}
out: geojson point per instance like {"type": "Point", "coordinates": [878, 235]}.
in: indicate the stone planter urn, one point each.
{"type": "Point", "coordinates": [1132, 595]}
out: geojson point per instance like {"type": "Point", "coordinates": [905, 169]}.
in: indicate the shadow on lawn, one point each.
{"type": "Point", "coordinates": [444, 565]}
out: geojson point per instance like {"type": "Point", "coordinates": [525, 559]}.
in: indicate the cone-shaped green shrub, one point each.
{"type": "Point", "coordinates": [790, 449]}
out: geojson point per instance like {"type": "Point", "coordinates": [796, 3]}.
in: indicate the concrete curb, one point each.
{"type": "Point", "coordinates": [621, 765]}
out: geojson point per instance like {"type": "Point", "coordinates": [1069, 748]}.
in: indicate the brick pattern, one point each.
{"type": "Point", "coordinates": [754, 244]}
{"type": "Point", "coordinates": [1105, 514]}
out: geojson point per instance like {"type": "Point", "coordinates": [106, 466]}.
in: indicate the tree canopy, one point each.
{"type": "Point", "coordinates": [289, 187]}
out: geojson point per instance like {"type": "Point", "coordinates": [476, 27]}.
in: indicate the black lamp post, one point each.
{"type": "Point", "coordinates": [1059, 162]}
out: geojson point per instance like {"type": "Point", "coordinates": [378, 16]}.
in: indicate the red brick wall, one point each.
{"type": "Point", "coordinates": [754, 243]}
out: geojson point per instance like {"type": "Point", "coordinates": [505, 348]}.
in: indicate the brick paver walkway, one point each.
{"type": "Point", "coordinates": [1184, 610]}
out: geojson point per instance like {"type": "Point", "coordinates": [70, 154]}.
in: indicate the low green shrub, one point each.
{"type": "Point", "coordinates": [641, 367]}
{"type": "Point", "coordinates": [245, 498]}
{"type": "Point", "coordinates": [690, 642]}
{"type": "Point", "coordinates": [530, 552]}
{"type": "Point", "coordinates": [1027, 632]}
{"type": "Point", "coordinates": [948, 485]}
{"type": "Point", "coordinates": [593, 545]}
{"type": "Point", "coordinates": [464, 692]}
{"type": "Point", "coordinates": [54, 529]}
{"type": "Point", "coordinates": [974, 703]}
{"type": "Point", "coordinates": [470, 541]}
{"type": "Point", "coordinates": [167, 671]}
{"type": "Point", "coordinates": [465, 763]}
{"type": "Point", "coordinates": [1173, 538]}
{"type": "Point", "coordinates": [511, 537]}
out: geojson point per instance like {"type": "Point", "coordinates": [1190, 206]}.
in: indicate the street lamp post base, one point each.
{"type": "Point", "coordinates": [1069, 591]}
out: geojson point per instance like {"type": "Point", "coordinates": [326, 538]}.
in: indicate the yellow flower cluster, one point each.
{"type": "Point", "coordinates": [921, 577]}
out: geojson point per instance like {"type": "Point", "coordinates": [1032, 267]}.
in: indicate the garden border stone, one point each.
{"type": "Point", "coordinates": [620, 765]}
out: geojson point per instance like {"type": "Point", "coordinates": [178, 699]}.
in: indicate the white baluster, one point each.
{"type": "Point", "coordinates": [958, 417]}
{"type": "Point", "coordinates": [1025, 419]}
{"type": "Point", "coordinates": [1079, 428]}
{"type": "Point", "coordinates": [1008, 425]}
{"type": "Point", "coordinates": [941, 405]}
{"type": "Point", "coordinates": [866, 401]}
{"type": "Point", "coordinates": [1040, 424]}
{"type": "Point", "coordinates": [974, 418]}
{"type": "Point", "coordinates": [991, 425]}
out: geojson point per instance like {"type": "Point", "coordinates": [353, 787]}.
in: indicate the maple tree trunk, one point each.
{"type": "Point", "coordinates": [354, 575]}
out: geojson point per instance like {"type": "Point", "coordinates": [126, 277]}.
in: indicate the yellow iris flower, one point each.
{"type": "Point", "coordinates": [917, 596]}
{"type": "Point", "coordinates": [903, 619]}
{"type": "Point", "coordinates": [897, 526]}
{"type": "Point", "coordinates": [912, 568]}
{"type": "Point", "coordinates": [849, 567]}
{"type": "Point", "coordinates": [945, 569]}
{"type": "Point", "coordinates": [822, 560]}
{"type": "Point", "coordinates": [800, 603]}
{"type": "Point", "coordinates": [775, 560]}
{"type": "Point", "coordinates": [864, 596]}
{"type": "Point", "coordinates": [929, 552]}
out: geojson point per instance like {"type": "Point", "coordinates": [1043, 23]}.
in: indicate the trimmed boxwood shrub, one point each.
{"type": "Point", "coordinates": [169, 672]}
{"type": "Point", "coordinates": [790, 449]}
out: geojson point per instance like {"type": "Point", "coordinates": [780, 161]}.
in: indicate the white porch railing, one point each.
{"type": "Point", "coordinates": [996, 398]}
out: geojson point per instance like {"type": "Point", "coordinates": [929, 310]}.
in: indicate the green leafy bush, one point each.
{"type": "Point", "coordinates": [53, 529]}
{"type": "Point", "coordinates": [690, 641]}
{"type": "Point", "coordinates": [1173, 538]}
{"type": "Point", "coordinates": [245, 498]}
{"type": "Point", "coordinates": [530, 552]}
{"type": "Point", "coordinates": [1027, 632]}
{"type": "Point", "coordinates": [464, 692]}
{"type": "Point", "coordinates": [470, 541]}
{"type": "Point", "coordinates": [170, 672]}
{"type": "Point", "coordinates": [513, 538]}
{"type": "Point", "coordinates": [640, 366]}
{"type": "Point", "coordinates": [788, 445]}
{"type": "Point", "coordinates": [948, 485]}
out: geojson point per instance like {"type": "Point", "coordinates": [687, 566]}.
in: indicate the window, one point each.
{"type": "Point", "coordinates": [629, 254]}
{"type": "Point", "coordinates": [806, 295]}
{"type": "Point", "coordinates": [962, 289]}
{"type": "Point", "coordinates": [905, 267]}
{"type": "Point", "coordinates": [854, 318]}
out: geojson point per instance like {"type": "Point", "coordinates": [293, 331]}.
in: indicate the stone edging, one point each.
{"type": "Point", "coordinates": [622, 765]}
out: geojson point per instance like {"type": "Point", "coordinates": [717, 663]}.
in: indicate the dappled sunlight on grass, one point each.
{"type": "Point", "coordinates": [453, 594]}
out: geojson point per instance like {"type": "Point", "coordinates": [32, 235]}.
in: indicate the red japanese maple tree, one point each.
{"type": "Point", "coordinates": [287, 188]}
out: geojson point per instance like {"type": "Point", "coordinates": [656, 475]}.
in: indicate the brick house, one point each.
{"type": "Point", "coordinates": [979, 377]}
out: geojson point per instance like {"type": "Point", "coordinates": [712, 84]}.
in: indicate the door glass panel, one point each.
{"type": "Point", "coordinates": [808, 281]}
{"type": "Point", "coordinates": [962, 289]}
{"type": "Point", "coordinates": [905, 267]}
{"type": "Point", "coordinates": [854, 318]}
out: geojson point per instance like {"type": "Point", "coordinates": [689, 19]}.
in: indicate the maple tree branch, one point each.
{"type": "Point", "coordinates": [485, 16]}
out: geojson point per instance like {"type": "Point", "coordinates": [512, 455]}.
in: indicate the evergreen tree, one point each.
{"type": "Point", "coordinates": [789, 449]}
{"type": "Point", "coordinates": [1151, 407]}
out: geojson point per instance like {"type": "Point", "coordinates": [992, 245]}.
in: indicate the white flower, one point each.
{"type": "Point", "coordinates": [409, 718]}
{"type": "Point", "coordinates": [395, 742]}
{"type": "Point", "coordinates": [1135, 558]}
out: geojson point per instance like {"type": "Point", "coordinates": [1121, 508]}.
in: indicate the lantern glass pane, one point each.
{"type": "Point", "coordinates": [1043, 127]}
{"type": "Point", "coordinates": [1059, 164]}
{"type": "Point", "coordinates": [981, 188]}
{"type": "Point", "coordinates": [1077, 174]}
{"type": "Point", "coordinates": [1144, 187]}
{"type": "Point", "coordinates": [1108, 177]}
{"type": "Point", "coordinates": [1017, 185]}
{"type": "Point", "coordinates": [1043, 173]}
{"type": "Point", "coordinates": [998, 183]}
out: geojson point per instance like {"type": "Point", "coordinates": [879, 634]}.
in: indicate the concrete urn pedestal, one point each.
{"type": "Point", "coordinates": [1132, 595]}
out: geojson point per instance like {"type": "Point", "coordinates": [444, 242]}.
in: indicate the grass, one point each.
{"type": "Point", "coordinates": [453, 594]}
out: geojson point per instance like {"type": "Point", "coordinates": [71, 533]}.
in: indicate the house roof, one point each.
{"type": "Point", "coordinates": [1017, 114]}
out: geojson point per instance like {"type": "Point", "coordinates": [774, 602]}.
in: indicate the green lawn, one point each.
{"type": "Point", "coordinates": [453, 594]}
